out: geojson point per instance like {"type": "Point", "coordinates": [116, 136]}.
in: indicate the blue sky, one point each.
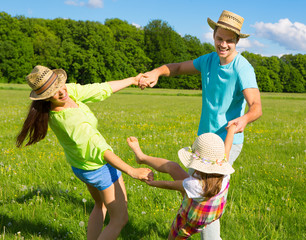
{"type": "Point", "coordinates": [276, 26]}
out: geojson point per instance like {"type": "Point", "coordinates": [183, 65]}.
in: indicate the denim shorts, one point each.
{"type": "Point", "coordinates": [100, 178]}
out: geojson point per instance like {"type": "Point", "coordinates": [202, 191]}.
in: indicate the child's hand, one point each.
{"type": "Point", "coordinates": [151, 176]}
{"type": "Point", "coordinates": [231, 126]}
{"type": "Point", "coordinates": [151, 183]}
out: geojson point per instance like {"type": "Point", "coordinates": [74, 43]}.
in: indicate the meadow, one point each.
{"type": "Point", "coordinates": [41, 199]}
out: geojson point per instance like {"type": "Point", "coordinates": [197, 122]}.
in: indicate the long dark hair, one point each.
{"type": "Point", "coordinates": [212, 183]}
{"type": "Point", "coordinates": [35, 126]}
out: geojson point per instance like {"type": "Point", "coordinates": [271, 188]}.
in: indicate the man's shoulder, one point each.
{"type": "Point", "coordinates": [206, 58]}
{"type": "Point", "coordinates": [241, 62]}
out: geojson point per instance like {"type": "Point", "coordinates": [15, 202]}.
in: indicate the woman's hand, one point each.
{"type": "Point", "coordinates": [142, 174]}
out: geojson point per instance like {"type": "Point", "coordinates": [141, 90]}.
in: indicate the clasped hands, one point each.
{"type": "Point", "coordinates": [147, 79]}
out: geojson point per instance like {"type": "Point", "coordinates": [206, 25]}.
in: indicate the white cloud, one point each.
{"type": "Point", "coordinates": [136, 25]}
{"type": "Point", "coordinates": [244, 43]}
{"type": "Point", "coordinates": [208, 37]}
{"type": "Point", "coordinates": [290, 35]}
{"type": "Point", "coordinates": [91, 3]}
{"type": "Point", "coordinates": [74, 3]}
{"type": "Point", "coordinates": [95, 3]}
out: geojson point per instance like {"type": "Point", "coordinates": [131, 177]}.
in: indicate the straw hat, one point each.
{"type": "Point", "coordinates": [45, 82]}
{"type": "Point", "coordinates": [229, 21]}
{"type": "Point", "coordinates": [206, 155]}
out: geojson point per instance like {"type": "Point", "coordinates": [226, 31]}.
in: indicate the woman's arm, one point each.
{"type": "Point", "coordinates": [118, 85]}
{"type": "Point", "coordinates": [116, 162]}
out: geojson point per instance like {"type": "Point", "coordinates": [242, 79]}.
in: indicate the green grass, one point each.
{"type": "Point", "coordinates": [41, 199]}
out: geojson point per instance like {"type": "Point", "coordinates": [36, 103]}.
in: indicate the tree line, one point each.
{"type": "Point", "coordinates": [95, 52]}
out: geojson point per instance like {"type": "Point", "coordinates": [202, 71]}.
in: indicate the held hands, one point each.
{"type": "Point", "coordinates": [143, 174]}
{"type": "Point", "coordinates": [148, 79]}
{"type": "Point", "coordinates": [240, 123]}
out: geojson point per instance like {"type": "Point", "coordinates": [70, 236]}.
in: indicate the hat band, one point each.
{"type": "Point", "coordinates": [197, 156]}
{"type": "Point", "coordinates": [228, 25]}
{"type": "Point", "coordinates": [47, 84]}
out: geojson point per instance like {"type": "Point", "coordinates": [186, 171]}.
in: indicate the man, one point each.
{"type": "Point", "coordinates": [228, 83]}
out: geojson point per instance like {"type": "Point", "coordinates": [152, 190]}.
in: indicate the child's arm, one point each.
{"type": "Point", "coordinates": [170, 185]}
{"type": "Point", "coordinates": [117, 85]}
{"type": "Point", "coordinates": [229, 139]}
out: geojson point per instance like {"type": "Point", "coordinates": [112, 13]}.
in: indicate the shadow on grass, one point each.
{"type": "Point", "coordinates": [55, 193]}
{"type": "Point", "coordinates": [28, 228]}
{"type": "Point", "coordinates": [131, 232]}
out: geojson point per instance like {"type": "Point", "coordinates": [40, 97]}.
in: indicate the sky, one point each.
{"type": "Point", "coordinates": [276, 27]}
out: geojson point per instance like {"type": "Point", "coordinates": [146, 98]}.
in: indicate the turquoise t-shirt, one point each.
{"type": "Point", "coordinates": [76, 128]}
{"type": "Point", "coordinates": [222, 97]}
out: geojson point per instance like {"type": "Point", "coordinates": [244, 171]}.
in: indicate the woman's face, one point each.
{"type": "Point", "coordinates": [60, 97]}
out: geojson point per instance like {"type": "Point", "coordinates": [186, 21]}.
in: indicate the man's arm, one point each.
{"type": "Point", "coordinates": [252, 96]}
{"type": "Point", "coordinates": [171, 69]}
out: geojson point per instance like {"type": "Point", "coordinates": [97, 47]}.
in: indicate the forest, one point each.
{"type": "Point", "coordinates": [98, 52]}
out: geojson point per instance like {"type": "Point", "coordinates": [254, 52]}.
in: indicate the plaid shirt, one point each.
{"type": "Point", "coordinates": [193, 216]}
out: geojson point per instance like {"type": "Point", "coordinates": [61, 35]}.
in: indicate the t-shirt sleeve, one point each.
{"type": "Point", "coordinates": [90, 92]}
{"type": "Point", "coordinates": [201, 62]}
{"type": "Point", "coordinates": [247, 77]}
{"type": "Point", "coordinates": [193, 188]}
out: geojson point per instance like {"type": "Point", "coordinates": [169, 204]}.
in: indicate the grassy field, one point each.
{"type": "Point", "coordinates": [41, 199]}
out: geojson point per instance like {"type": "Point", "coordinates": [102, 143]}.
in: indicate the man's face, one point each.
{"type": "Point", "coordinates": [225, 44]}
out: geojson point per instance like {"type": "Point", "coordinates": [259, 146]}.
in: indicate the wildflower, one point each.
{"type": "Point", "coordinates": [81, 224]}
{"type": "Point", "coordinates": [143, 213]}
{"type": "Point", "coordinates": [84, 200]}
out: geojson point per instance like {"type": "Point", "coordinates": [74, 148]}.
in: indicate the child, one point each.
{"type": "Point", "coordinates": [63, 107]}
{"type": "Point", "coordinates": [205, 191]}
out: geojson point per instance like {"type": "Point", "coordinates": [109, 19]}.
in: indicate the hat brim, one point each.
{"type": "Point", "coordinates": [188, 161]}
{"type": "Point", "coordinates": [60, 81]}
{"type": "Point", "coordinates": [213, 25]}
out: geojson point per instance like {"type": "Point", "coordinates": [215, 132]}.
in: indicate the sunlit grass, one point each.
{"type": "Point", "coordinates": [41, 199]}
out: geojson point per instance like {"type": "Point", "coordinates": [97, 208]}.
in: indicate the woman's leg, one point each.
{"type": "Point", "coordinates": [97, 216]}
{"type": "Point", "coordinates": [159, 164]}
{"type": "Point", "coordinates": [115, 200]}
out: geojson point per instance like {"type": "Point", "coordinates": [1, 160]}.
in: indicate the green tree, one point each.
{"type": "Point", "coordinates": [129, 44]}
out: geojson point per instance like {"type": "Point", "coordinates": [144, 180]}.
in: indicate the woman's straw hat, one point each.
{"type": "Point", "coordinates": [229, 21]}
{"type": "Point", "coordinates": [207, 155]}
{"type": "Point", "coordinates": [45, 82]}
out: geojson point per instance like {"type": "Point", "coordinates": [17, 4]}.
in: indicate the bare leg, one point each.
{"type": "Point", "coordinates": [159, 164]}
{"type": "Point", "coordinates": [114, 200]}
{"type": "Point", "coordinates": [97, 216]}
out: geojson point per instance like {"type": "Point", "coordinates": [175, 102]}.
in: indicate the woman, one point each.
{"type": "Point", "coordinates": [63, 107]}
